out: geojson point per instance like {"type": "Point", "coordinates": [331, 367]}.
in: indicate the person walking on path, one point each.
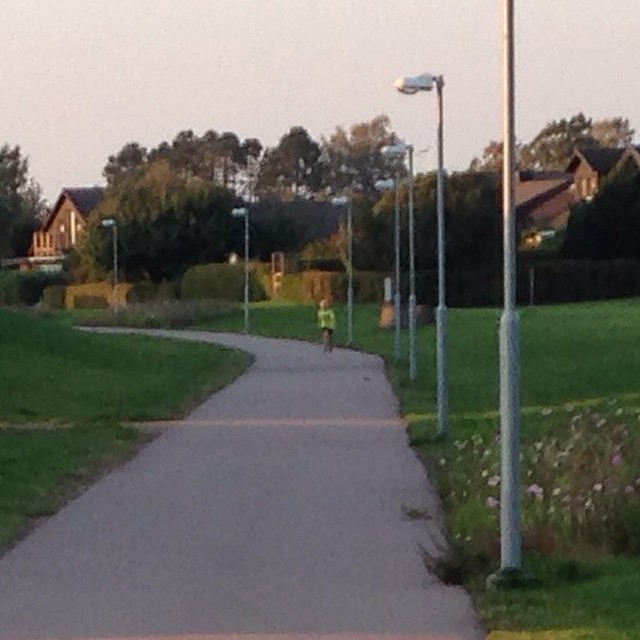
{"type": "Point", "coordinates": [327, 323]}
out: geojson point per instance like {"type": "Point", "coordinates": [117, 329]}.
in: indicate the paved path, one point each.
{"type": "Point", "coordinates": [275, 510]}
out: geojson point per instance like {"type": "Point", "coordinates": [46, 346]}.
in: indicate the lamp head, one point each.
{"type": "Point", "coordinates": [397, 150]}
{"type": "Point", "coordinates": [239, 212]}
{"type": "Point", "coordinates": [413, 84]}
{"type": "Point", "coordinates": [340, 201]}
{"type": "Point", "coordinates": [385, 185]}
{"type": "Point", "coordinates": [108, 223]}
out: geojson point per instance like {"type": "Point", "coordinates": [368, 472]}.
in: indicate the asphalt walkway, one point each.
{"type": "Point", "coordinates": [277, 509]}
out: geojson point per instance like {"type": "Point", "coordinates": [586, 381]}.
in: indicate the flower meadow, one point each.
{"type": "Point", "coordinates": [580, 472]}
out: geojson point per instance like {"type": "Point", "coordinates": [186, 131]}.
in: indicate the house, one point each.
{"type": "Point", "coordinates": [61, 230]}
{"type": "Point", "coordinates": [589, 166]}
{"type": "Point", "coordinates": [543, 200]}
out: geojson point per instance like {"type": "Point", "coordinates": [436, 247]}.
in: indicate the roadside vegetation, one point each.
{"type": "Point", "coordinates": [580, 444]}
{"type": "Point", "coordinates": [65, 394]}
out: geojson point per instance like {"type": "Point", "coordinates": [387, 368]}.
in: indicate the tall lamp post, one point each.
{"type": "Point", "coordinates": [112, 223]}
{"type": "Point", "coordinates": [243, 212]}
{"type": "Point", "coordinates": [387, 185]}
{"type": "Point", "coordinates": [510, 519]}
{"type": "Point", "coordinates": [346, 201]}
{"type": "Point", "coordinates": [410, 85]}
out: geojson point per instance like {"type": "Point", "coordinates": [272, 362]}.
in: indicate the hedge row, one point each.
{"type": "Point", "coordinates": [221, 282]}
{"type": "Point", "coordinates": [25, 288]}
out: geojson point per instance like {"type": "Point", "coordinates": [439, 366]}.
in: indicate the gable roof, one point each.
{"type": "Point", "coordinates": [600, 159]}
{"type": "Point", "coordinates": [85, 200]}
{"type": "Point", "coordinates": [531, 192]}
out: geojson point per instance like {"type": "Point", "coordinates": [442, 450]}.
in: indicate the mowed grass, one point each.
{"type": "Point", "coordinates": [50, 371]}
{"type": "Point", "coordinates": [63, 393]}
{"type": "Point", "coordinates": [577, 355]}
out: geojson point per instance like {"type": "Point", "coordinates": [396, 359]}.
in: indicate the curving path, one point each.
{"type": "Point", "coordinates": [276, 509]}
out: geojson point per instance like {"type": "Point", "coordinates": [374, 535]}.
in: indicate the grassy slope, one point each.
{"type": "Point", "coordinates": [570, 354]}
{"type": "Point", "coordinates": [50, 371]}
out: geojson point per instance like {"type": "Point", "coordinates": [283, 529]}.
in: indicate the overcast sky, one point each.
{"type": "Point", "coordinates": [80, 78]}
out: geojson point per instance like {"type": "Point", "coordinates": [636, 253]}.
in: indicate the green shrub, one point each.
{"type": "Point", "coordinates": [19, 288]}
{"type": "Point", "coordinates": [219, 282]}
{"type": "Point", "coordinates": [144, 291]}
{"type": "Point", "coordinates": [170, 314]}
{"type": "Point", "coordinates": [168, 290]}
{"type": "Point", "coordinates": [53, 296]}
{"type": "Point", "coordinates": [91, 302]}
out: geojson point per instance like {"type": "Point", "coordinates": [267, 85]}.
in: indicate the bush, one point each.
{"type": "Point", "coordinates": [53, 296]}
{"type": "Point", "coordinates": [171, 314]}
{"type": "Point", "coordinates": [144, 291]}
{"type": "Point", "coordinates": [90, 302]}
{"type": "Point", "coordinates": [219, 282]}
{"type": "Point", "coordinates": [20, 288]}
{"type": "Point", "coordinates": [168, 290]}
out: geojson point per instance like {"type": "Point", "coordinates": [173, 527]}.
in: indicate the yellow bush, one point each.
{"type": "Point", "coordinates": [97, 290]}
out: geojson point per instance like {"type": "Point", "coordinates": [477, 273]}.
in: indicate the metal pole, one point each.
{"type": "Point", "coordinates": [441, 311]}
{"type": "Point", "coordinates": [114, 238]}
{"type": "Point", "coordinates": [396, 293]}
{"type": "Point", "coordinates": [246, 271]}
{"type": "Point", "coordinates": [510, 523]}
{"type": "Point", "coordinates": [350, 273]}
{"type": "Point", "coordinates": [413, 369]}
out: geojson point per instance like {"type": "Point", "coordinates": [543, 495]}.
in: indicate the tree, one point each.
{"type": "Point", "coordinates": [612, 132]}
{"type": "Point", "coordinates": [292, 165]}
{"type": "Point", "coordinates": [354, 156]}
{"type": "Point", "coordinates": [130, 157]}
{"type": "Point", "coordinates": [491, 159]}
{"type": "Point", "coordinates": [553, 147]}
{"type": "Point", "coordinates": [609, 226]}
{"type": "Point", "coordinates": [167, 221]}
{"type": "Point", "coordinates": [20, 202]}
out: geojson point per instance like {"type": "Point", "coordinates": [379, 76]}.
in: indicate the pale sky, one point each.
{"type": "Point", "coordinates": [80, 78]}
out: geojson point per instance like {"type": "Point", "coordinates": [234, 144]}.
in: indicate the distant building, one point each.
{"type": "Point", "coordinates": [61, 230]}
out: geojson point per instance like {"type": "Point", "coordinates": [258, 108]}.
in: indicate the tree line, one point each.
{"type": "Point", "coordinates": [172, 201]}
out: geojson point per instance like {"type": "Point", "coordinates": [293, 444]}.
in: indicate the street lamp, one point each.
{"type": "Point", "coordinates": [400, 150]}
{"type": "Point", "coordinates": [386, 185]}
{"type": "Point", "coordinates": [112, 223]}
{"type": "Point", "coordinates": [510, 519]}
{"type": "Point", "coordinates": [243, 212]}
{"type": "Point", "coordinates": [410, 85]}
{"type": "Point", "coordinates": [346, 201]}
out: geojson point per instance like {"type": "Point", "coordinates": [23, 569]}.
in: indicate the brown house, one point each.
{"type": "Point", "coordinates": [543, 200]}
{"type": "Point", "coordinates": [66, 222]}
{"type": "Point", "coordinates": [589, 166]}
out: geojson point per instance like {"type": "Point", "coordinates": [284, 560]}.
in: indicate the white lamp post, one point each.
{"type": "Point", "coordinates": [401, 150]}
{"type": "Point", "coordinates": [243, 212]}
{"type": "Point", "coordinates": [346, 201]}
{"type": "Point", "coordinates": [510, 519]}
{"type": "Point", "coordinates": [112, 223]}
{"type": "Point", "coordinates": [385, 185]}
{"type": "Point", "coordinates": [411, 85]}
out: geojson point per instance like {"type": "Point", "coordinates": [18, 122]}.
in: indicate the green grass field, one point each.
{"type": "Point", "coordinates": [573, 357]}
{"type": "Point", "coordinates": [63, 393]}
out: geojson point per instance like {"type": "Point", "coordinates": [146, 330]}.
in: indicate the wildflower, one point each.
{"type": "Point", "coordinates": [546, 411]}
{"type": "Point", "coordinates": [618, 412]}
{"type": "Point", "coordinates": [556, 492]}
{"type": "Point", "coordinates": [484, 473]}
{"type": "Point", "coordinates": [493, 481]}
{"type": "Point", "coordinates": [535, 491]}
{"type": "Point", "coordinates": [597, 487]}
{"type": "Point", "coordinates": [492, 503]}
{"type": "Point", "coordinates": [588, 504]}
{"type": "Point", "coordinates": [443, 462]}
{"type": "Point", "coordinates": [538, 445]}
{"type": "Point", "coordinates": [616, 460]}
{"type": "Point", "coordinates": [601, 422]}
{"type": "Point", "coordinates": [629, 489]}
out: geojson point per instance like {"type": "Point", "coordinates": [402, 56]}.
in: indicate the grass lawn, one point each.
{"type": "Point", "coordinates": [573, 357]}
{"type": "Point", "coordinates": [63, 393]}
{"type": "Point", "coordinates": [51, 371]}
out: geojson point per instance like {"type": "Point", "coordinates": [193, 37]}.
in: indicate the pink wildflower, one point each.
{"type": "Point", "coordinates": [492, 503]}
{"type": "Point", "coordinates": [616, 460]}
